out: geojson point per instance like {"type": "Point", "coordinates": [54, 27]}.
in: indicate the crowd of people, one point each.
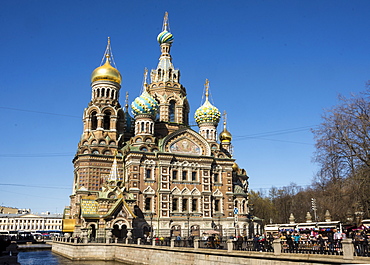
{"type": "Point", "coordinates": [321, 242]}
{"type": "Point", "coordinates": [304, 241]}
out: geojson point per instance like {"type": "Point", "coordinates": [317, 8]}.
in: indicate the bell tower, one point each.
{"type": "Point", "coordinates": [103, 125]}
{"type": "Point", "coordinates": [166, 89]}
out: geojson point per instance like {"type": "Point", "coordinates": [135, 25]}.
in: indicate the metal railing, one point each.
{"type": "Point", "coordinates": [361, 248]}
{"type": "Point", "coordinates": [346, 247]}
{"type": "Point", "coordinates": [215, 244]}
{"type": "Point", "coordinates": [312, 247]}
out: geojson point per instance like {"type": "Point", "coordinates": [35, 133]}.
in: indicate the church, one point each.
{"type": "Point", "coordinates": [141, 170]}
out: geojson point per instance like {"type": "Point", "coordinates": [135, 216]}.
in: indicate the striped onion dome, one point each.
{"type": "Point", "coordinates": [165, 37]}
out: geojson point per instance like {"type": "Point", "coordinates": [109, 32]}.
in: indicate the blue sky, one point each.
{"type": "Point", "coordinates": [274, 66]}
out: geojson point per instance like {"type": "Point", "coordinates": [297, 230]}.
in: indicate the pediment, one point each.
{"type": "Point", "coordinates": [185, 191]}
{"type": "Point", "coordinates": [186, 142]}
{"type": "Point", "coordinates": [149, 190]}
{"type": "Point", "coordinates": [217, 193]}
{"type": "Point", "coordinates": [195, 192]}
{"type": "Point", "coordinates": [176, 191]}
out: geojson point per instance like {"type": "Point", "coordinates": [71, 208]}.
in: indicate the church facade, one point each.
{"type": "Point", "coordinates": [148, 172]}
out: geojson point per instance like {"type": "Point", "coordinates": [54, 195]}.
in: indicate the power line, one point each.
{"type": "Point", "coordinates": [41, 112]}
{"type": "Point", "coordinates": [33, 195]}
{"type": "Point", "coordinates": [32, 186]}
{"type": "Point", "coordinates": [37, 155]}
{"type": "Point", "coordinates": [274, 140]}
{"type": "Point", "coordinates": [278, 132]}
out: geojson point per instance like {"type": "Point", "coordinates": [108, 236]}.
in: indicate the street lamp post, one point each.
{"type": "Point", "coordinates": [188, 215]}
{"type": "Point", "coordinates": [151, 215]}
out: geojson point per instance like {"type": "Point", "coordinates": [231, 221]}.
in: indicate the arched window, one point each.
{"type": "Point", "coordinates": [148, 204]}
{"type": "Point", "coordinates": [171, 111]}
{"type": "Point", "coordinates": [106, 125]}
{"type": "Point", "coordinates": [94, 121]}
{"type": "Point", "coordinates": [142, 127]}
{"type": "Point", "coordinates": [102, 92]}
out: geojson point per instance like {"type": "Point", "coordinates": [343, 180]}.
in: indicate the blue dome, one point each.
{"type": "Point", "coordinates": [145, 104]}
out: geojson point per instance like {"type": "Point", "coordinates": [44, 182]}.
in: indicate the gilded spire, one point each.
{"type": "Point", "coordinates": [145, 77]}
{"type": "Point", "coordinates": [108, 55]}
{"type": "Point", "coordinates": [207, 113]}
{"type": "Point", "coordinates": [126, 102]}
{"type": "Point", "coordinates": [165, 22]}
{"type": "Point", "coordinates": [107, 71]}
{"type": "Point", "coordinates": [206, 85]}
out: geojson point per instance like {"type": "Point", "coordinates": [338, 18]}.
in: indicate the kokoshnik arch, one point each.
{"type": "Point", "coordinates": [152, 169]}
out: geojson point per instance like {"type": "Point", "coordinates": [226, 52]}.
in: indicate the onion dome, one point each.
{"type": "Point", "coordinates": [165, 37]}
{"type": "Point", "coordinates": [106, 72]}
{"type": "Point", "coordinates": [235, 167]}
{"type": "Point", "coordinates": [225, 136]}
{"type": "Point", "coordinates": [145, 104]}
{"type": "Point", "coordinates": [207, 113]}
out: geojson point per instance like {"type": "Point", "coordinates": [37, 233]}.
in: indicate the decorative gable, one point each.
{"type": "Point", "coordinates": [217, 193]}
{"type": "Point", "coordinates": [149, 190]}
{"type": "Point", "coordinates": [186, 141]}
{"type": "Point", "coordinates": [176, 191]}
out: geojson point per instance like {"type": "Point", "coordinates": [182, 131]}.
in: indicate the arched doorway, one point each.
{"type": "Point", "coordinates": [120, 232]}
{"type": "Point", "coordinates": [175, 230]}
{"type": "Point", "coordinates": [195, 231]}
{"type": "Point", "coordinates": [92, 232]}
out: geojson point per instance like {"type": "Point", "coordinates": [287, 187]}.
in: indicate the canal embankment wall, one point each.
{"type": "Point", "coordinates": [146, 254]}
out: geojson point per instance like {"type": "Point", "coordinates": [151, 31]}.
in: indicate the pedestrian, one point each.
{"type": "Point", "coordinates": [289, 241]}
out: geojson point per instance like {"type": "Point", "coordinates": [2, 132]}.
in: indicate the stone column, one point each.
{"type": "Point", "coordinates": [348, 248]}
{"type": "Point", "coordinates": [139, 241]}
{"type": "Point", "coordinates": [277, 247]}
{"type": "Point", "coordinates": [129, 236]}
{"type": "Point", "coordinates": [108, 235]}
{"type": "Point", "coordinates": [153, 241]}
{"type": "Point", "coordinates": [229, 245]}
{"type": "Point", "coordinates": [173, 242]}
{"type": "Point", "coordinates": [196, 243]}
{"type": "Point", "coordinates": [84, 235]}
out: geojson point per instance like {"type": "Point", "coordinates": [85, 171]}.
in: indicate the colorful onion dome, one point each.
{"type": "Point", "coordinates": [165, 37]}
{"type": "Point", "coordinates": [145, 104]}
{"type": "Point", "coordinates": [225, 136]}
{"type": "Point", "coordinates": [106, 72]}
{"type": "Point", "coordinates": [207, 113]}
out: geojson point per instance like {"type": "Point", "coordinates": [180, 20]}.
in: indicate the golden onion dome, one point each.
{"type": "Point", "coordinates": [235, 167]}
{"type": "Point", "coordinates": [106, 72]}
{"type": "Point", "coordinates": [225, 136]}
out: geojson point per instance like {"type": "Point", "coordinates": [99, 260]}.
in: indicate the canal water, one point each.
{"type": "Point", "coordinates": [46, 257]}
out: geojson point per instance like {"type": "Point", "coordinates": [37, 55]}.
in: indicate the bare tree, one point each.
{"type": "Point", "coordinates": [343, 153]}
